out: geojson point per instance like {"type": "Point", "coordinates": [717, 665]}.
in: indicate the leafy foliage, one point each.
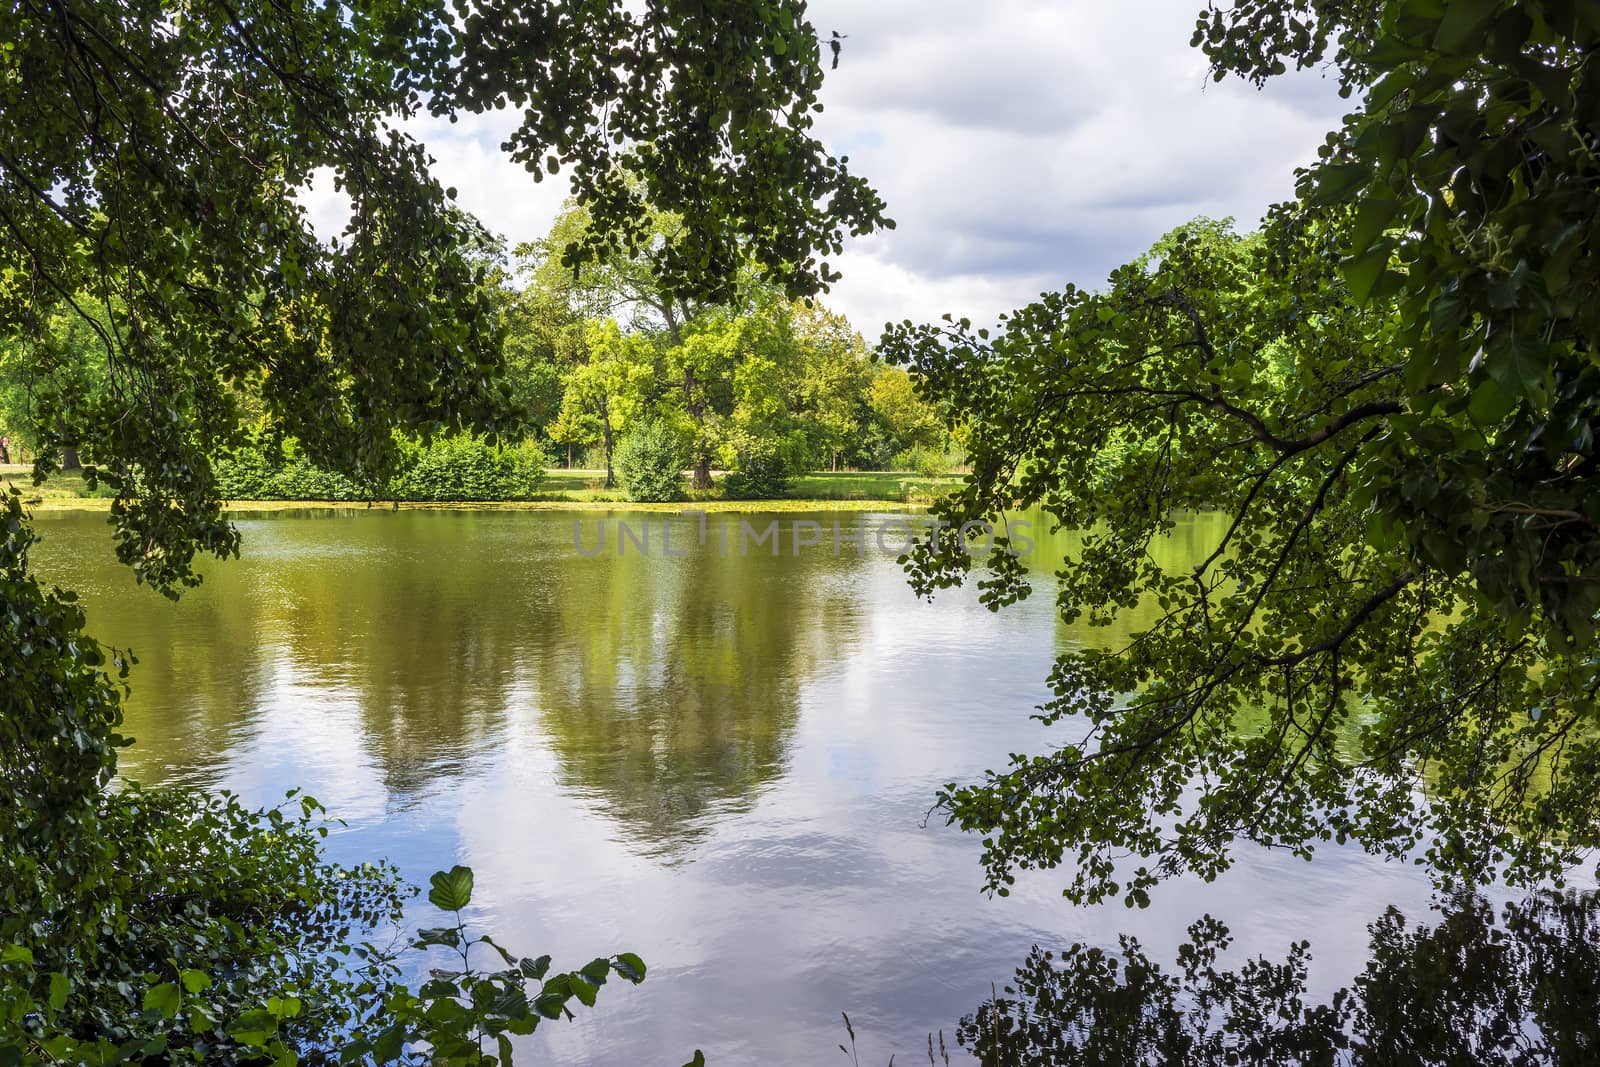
{"type": "Point", "coordinates": [650, 462]}
{"type": "Point", "coordinates": [467, 1015]}
{"type": "Point", "coordinates": [761, 473]}
{"type": "Point", "coordinates": [1472, 183]}
{"type": "Point", "coordinates": [461, 467]}
{"type": "Point", "coordinates": [251, 473]}
{"type": "Point", "coordinates": [138, 923]}
{"type": "Point", "coordinates": [164, 218]}
{"type": "Point", "coordinates": [709, 121]}
{"type": "Point", "coordinates": [1389, 639]}
{"type": "Point", "coordinates": [750, 369]}
{"type": "Point", "coordinates": [1468, 990]}
{"type": "Point", "coordinates": [165, 291]}
{"type": "Point", "coordinates": [469, 468]}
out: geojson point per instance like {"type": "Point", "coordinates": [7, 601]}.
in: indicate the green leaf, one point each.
{"type": "Point", "coordinates": [16, 954]}
{"type": "Point", "coordinates": [447, 936]}
{"type": "Point", "coordinates": [165, 998]}
{"type": "Point", "coordinates": [1459, 29]}
{"type": "Point", "coordinates": [1373, 217]}
{"type": "Point", "coordinates": [583, 990]}
{"type": "Point", "coordinates": [1518, 364]}
{"type": "Point", "coordinates": [511, 961]}
{"type": "Point", "coordinates": [60, 988]}
{"type": "Point", "coordinates": [1489, 403]}
{"type": "Point", "coordinates": [1447, 312]}
{"type": "Point", "coordinates": [550, 1005]}
{"type": "Point", "coordinates": [195, 981]}
{"type": "Point", "coordinates": [1362, 272]}
{"type": "Point", "coordinates": [535, 969]}
{"type": "Point", "coordinates": [389, 1044]}
{"type": "Point", "coordinates": [629, 966]}
{"type": "Point", "coordinates": [452, 890]}
{"type": "Point", "coordinates": [1338, 182]}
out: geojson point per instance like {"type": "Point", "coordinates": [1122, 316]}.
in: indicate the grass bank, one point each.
{"type": "Point", "coordinates": [565, 489]}
{"type": "Point", "coordinates": [890, 487]}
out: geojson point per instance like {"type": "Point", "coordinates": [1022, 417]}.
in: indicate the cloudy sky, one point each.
{"type": "Point", "coordinates": [1020, 144]}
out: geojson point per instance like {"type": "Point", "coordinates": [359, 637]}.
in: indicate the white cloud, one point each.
{"type": "Point", "coordinates": [499, 192]}
{"type": "Point", "coordinates": [877, 290]}
{"type": "Point", "coordinates": [1020, 145]}
{"type": "Point", "coordinates": [327, 207]}
{"type": "Point", "coordinates": [1125, 138]}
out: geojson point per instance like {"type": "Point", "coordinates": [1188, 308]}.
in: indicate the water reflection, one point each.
{"type": "Point", "coordinates": [720, 762]}
{"type": "Point", "coordinates": [1467, 989]}
{"type": "Point", "coordinates": [667, 687]}
{"type": "Point", "coordinates": [671, 686]}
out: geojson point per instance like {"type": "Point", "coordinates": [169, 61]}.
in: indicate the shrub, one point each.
{"type": "Point", "coordinates": [253, 473]}
{"type": "Point", "coordinates": [650, 462]}
{"type": "Point", "coordinates": [761, 474]}
{"type": "Point", "coordinates": [470, 468]}
{"type": "Point", "coordinates": [449, 468]}
{"type": "Point", "coordinates": [928, 462]}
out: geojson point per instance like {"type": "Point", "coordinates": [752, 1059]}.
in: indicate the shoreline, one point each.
{"type": "Point", "coordinates": [677, 507]}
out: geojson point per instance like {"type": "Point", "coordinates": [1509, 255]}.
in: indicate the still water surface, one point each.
{"type": "Point", "coordinates": [721, 762]}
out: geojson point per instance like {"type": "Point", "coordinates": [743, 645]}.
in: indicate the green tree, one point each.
{"type": "Point", "coordinates": [43, 373]}
{"type": "Point", "coordinates": [544, 342]}
{"type": "Point", "coordinates": [705, 344]}
{"type": "Point", "coordinates": [831, 381]}
{"type": "Point", "coordinates": [1471, 183]}
{"type": "Point", "coordinates": [723, 370]}
{"type": "Point", "coordinates": [908, 420]}
{"type": "Point", "coordinates": [604, 395]}
{"type": "Point", "coordinates": [150, 163]}
{"type": "Point", "coordinates": [1391, 395]}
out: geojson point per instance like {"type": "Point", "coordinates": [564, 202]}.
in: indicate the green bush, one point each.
{"type": "Point", "coordinates": [650, 462]}
{"type": "Point", "coordinates": [761, 474]}
{"type": "Point", "coordinates": [928, 462]}
{"type": "Point", "coordinates": [447, 469]}
{"type": "Point", "coordinates": [253, 473]}
{"type": "Point", "coordinates": [470, 468]}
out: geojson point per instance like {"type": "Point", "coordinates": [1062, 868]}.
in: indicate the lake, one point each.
{"type": "Point", "coordinates": [720, 760]}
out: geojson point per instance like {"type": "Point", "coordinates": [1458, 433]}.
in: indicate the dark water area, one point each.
{"type": "Point", "coordinates": [720, 760]}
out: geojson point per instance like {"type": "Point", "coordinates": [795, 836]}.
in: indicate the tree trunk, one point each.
{"type": "Point", "coordinates": [69, 459]}
{"type": "Point", "coordinates": [693, 404]}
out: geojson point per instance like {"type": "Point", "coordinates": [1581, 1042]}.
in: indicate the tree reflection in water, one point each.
{"type": "Point", "coordinates": [1469, 990]}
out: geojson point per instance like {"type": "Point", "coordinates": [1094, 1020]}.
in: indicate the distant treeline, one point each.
{"type": "Point", "coordinates": [755, 385]}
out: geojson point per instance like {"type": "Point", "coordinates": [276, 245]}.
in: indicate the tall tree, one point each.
{"type": "Point", "coordinates": [607, 392]}
{"type": "Point", "coordinates": [1391, 397]}
{"type": "Point", "coordinates": [150, 163]}
{"type": "Point", "coordinates": [704, 342]}
{"type": "Point", "coordinates": [831, 380]}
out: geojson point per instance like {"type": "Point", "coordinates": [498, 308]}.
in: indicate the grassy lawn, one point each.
{"type": "Point", "coordinates": [66, 489]}
{"type": "Point", "coordinates": [62, 487]}
{"type": "Point", "coordinates": [900, 487]}
{"type": "Point", "coordinates": [905, 486]}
